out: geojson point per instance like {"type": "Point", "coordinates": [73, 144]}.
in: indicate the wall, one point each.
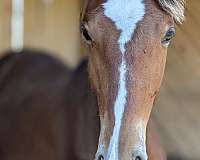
{"type": "Point", "coordinates": [5, 13]}
{"type": "Point", "coordinates": [54, 25]}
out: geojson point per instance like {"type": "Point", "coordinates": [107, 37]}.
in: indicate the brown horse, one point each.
{"type": "Point", "coordinates": [44, 115]}
{"type": "Point", "coordinates": [128, 41]}
{"type": "Point", "coordinates": [32, 101]}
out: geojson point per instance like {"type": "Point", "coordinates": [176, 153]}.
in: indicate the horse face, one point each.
{"type": "Point", "coordinates": [128, 42]}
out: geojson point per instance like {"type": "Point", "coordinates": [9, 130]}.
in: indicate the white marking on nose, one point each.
{"type": "Point", "coordinates": [140, 148]}
{"type": "Point", "coordinates": [126, 14]}
{"type": "Point", "coordinates": [141, 131]}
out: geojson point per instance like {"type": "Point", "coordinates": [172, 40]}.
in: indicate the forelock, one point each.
{"type": "Point", "coordinates": [175, 8]}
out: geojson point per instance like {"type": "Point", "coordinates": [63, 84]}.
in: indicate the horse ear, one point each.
{"type": "Point", "coordinates": [83, 10]}
{"type": "Point", "coordinates": [89, 5]}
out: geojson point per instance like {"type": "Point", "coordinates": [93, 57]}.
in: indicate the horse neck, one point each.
{"type": "Point", "coordinates": [79, 91]}
{"type": "Point", "coordinates": [82, 104]}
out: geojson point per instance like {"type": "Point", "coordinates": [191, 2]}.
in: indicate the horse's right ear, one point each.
{"type": "Point", "coordinates": [87, 6]}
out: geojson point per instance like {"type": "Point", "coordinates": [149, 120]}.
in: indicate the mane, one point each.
{"type": "Point", "coordinates": [175, 8]}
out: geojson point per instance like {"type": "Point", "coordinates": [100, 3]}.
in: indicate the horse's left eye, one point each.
{"type": "Point", "coordinates": [168, 37]}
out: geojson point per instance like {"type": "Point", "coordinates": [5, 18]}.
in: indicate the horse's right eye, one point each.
{"type": "Point", "coordinates": [85, 33]}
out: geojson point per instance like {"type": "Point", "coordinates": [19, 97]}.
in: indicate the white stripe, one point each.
{"type": "Point", "coordinates": [119, 110]}
{"type": "Point", "coordinates": [126, 14]}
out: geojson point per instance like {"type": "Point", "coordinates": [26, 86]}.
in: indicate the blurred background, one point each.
{"type": "Point", "coordinates": [53, 25]}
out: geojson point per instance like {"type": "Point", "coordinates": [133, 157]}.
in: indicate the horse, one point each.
{"type": "Point", "coordinates": [62, 119]}
{"type": "Point", "coordinates": [49, 112]}
{"type": "Point", "coordinates": [32, 87]}
{"type": "Point", "coordinates": [128, 41]}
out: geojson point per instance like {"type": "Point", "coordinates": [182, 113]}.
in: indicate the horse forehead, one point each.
{"type": "Point", "coordinates": [124, 7]}
{"type": "Point", "coordinates": [124, 10]}
{"type": "Point", "coordinates": [126, 14]}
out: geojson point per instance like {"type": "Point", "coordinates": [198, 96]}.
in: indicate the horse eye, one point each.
{"type": "Point", "coordinates": [85, 33]}
{"type": "Point", "coordinates": [168, 37]}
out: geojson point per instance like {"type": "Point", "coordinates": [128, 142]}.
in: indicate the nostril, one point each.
{"type": "Point", "coordinates": [101, 157]}
{"type": "Point", "coordinates": [138, 158]}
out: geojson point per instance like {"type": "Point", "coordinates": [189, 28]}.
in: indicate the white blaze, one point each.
{"type": "Point", "coordinates": [125, 14]}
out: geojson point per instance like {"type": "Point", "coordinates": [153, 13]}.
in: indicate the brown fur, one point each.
{"type": "Point", "coordinates": [154, 146]}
